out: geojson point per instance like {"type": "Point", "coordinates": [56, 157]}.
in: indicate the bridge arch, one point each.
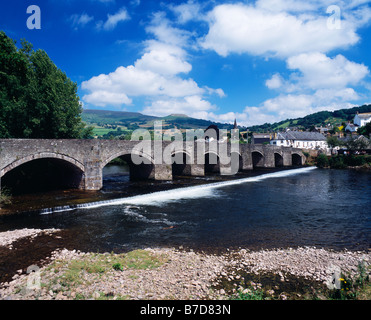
{"type": "Point", "coordinates": [278, 159]}
{"type": "Point", "coordinates": [141, 171]}
{"type": "Point", "coordinates": [41, 155]}
{"type": "Point", "coordinates": [43, 171]}
{"type": "Point", "coordinates": [182, 161]}
{"type": "Point", "coordinates": [212, 162]}
{"type": "Point", "coordinates": [257, 158]}
{"type": "Point", "coordinates": [297, 159]}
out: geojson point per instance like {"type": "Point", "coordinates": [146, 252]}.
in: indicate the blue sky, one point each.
{"type": "Point", "coordinates": [257, 61]}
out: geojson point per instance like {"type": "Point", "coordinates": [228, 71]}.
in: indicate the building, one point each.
{"type": "Point", "coordinates": [360, 119]}
{"type": "Point", "coordinates": [298, 139]}
{"type": "Point", "coordinates": [261, 138]}
{"type": "Point", "coordinates": [351, 127]}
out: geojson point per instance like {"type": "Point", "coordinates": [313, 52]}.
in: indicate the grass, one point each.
{"type": "Point", "coordinates": [69, 275]}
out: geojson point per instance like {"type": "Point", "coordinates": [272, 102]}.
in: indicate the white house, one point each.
{"type": "Point", "coordinates": [360, 119]}
{"type": "Point", "coordinates": [351, 127]}
{"type": "Point", "coordinates": [298, 139]}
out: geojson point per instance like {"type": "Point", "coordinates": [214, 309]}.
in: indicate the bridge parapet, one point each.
{"type": "Point", "coordinates": [89, 157]}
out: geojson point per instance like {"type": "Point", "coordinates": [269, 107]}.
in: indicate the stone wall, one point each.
{"type": "Point", "coordinates": [90, 156]}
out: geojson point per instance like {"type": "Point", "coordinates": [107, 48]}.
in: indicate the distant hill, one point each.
{"type": "Point", "coordinates": [114, 122]}
{"type": "Point", "coordinates": [106, 122]}
{"type": "Point", "coordinates": [321, 118]}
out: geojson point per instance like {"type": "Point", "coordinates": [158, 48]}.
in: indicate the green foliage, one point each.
{"type": "Point", "coordinates": [333, 141]}
{"type": "Point", "coordinates": [337, 162]}
{"type": "Point", "coordinates": [37, 100]}
{"type": "Point", "coordinates": [249, 294]}
{"type": "Point", "coordinates": [322, 161]}
{"type": "Point", "coordinates": [365, 130]}
{"type": "Point", "coordinates": [118, 266]}
{"type": "Point", "coordinates": [352, 288]}
{"type": "Point", "coordinates": [356, 143]}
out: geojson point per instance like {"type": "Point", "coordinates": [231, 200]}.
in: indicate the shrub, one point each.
{"type": "Point", "coordinates": [322, 161]}
{"type": "Point", "coordinates": [337, 162]}
{"type": "Point", "coordinates": [354, 161]}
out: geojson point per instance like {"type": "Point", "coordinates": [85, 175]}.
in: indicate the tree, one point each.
{"type": "Point", "coordinates": [365, 130]}
{"type": "Point", "coordinates": [333, 142]}
{"type": "Point", "coordinates": [357, 143]}
{"type": "Point", "coordinates": [37, 100]}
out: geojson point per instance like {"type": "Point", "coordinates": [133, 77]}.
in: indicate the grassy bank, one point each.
{"type": "Point", "coordinates": [344, 161]}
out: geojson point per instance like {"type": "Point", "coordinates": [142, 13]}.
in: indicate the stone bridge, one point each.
{"type": "Point", "coordinates": [81, 162]}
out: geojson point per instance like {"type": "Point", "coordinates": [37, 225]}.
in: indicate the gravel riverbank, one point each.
{"type": "Point", "coordinates": [169, 273]}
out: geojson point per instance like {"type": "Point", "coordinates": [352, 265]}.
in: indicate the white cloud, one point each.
{"type": "Point", "coordinates": [188, 11]}
{"type": "Point", "coordinates": [240, 28]}
{"type": "Point", "coordinates": [101, 98]}
{"type": "Point", "coordinates": [78, 20]}
{"type": "Point", "coordinates": [157, 76]}
{"type": "Point", "coordinates": [319, 71]}
{"type": "Point", "coordinates": [113, 20]}
{"type": "Point", "coordinates": [163, 59]}
{"type": "Point", "coordinates": [189, 105]}
{"type": "Point", "coordinates": [275, 82]}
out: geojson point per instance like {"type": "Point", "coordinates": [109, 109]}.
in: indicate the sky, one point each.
{"type": "Point", "coordinates": [256, 61]}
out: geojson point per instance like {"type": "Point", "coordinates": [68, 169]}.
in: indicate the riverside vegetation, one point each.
{"type": "Point", "coordinates": [344, 161]}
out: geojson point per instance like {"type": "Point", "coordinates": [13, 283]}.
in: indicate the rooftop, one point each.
{"type": "Point", "coordinates": [298, 135]}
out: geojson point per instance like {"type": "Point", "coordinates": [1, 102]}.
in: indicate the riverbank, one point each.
{"type": "Point", "coordinates": [176, 273]}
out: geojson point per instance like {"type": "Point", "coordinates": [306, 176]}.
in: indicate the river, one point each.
{"type": "Point", "coordinates": [260, 209]}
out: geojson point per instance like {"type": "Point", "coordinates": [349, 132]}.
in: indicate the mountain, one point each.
{"type": "Point", "coordinates": [322, 118]}
{"type": "Point", "coordinates": [106, 122]}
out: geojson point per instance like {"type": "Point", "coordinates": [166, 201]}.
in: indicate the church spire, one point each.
{"type": "Point", "coordinates": [235, 124]}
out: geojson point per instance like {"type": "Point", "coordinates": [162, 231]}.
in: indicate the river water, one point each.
{"type": "Point", "coordinates": [260, 209]}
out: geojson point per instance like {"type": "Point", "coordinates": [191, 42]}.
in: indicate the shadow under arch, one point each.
{"type": "Point", "coordinates": [257, 159]}
{"type": "Point", "coordinates": [43, 172]}
{"type": "Point", "coordinates": [181, 165]}
{"type": "Point", "coordinates": [296, 159]}
{"type": "Point", "coordinates": [278, 160]}
{"type": "Point", "coordinates": [140, 165]}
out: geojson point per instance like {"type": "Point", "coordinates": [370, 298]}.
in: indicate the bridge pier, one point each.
{"type": "Point", "coordinates": [93, 175]}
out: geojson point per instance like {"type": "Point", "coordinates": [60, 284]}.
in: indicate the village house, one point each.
{"type": "Point", "coordinates": [360, 120]}
{"type": "Point", "coordinates": [298, 139]}
{"type": "Point", "coordinates": [261, 138]}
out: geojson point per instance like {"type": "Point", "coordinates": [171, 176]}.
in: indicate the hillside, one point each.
{"type": "Point", "coordinates": [107, 122]}
{"type": "Point", "coordinates": [322, 118]}
{"type": "Point", "coordinates": [115, 123]}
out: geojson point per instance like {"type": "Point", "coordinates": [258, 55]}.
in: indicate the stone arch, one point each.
{"type": "Point", "coordinates": [278, 160]}
{"type": "Point", "coordinates": [43, 171]}
{"type": "Point", "coordinates": [296, 159]}
{"type": "Point", "coordinates": [257, 159]}
{"type": "Point", "coordinates": [182, 161]}
{"type": "Point", "coordinates": [147, 158]}
{"type": "Point", "coordinates": [41, 155]}
{"type": "Point", "coordinates": [142, 171]}
{"type": "Point", "coordinates": [212, 162]}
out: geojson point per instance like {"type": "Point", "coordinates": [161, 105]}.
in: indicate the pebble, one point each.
{"type": "Point", "coordinates": [185, 275]}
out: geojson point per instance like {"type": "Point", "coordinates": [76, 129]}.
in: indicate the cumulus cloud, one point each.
{"type": "Point", "coordinates": [275, 82]}
{"type": "Point", "coordinates": [157, 76]}
{"type": "Point", "coordinates": [241, 28]}
{"type": "Point", "coordinates": [320, 71]}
